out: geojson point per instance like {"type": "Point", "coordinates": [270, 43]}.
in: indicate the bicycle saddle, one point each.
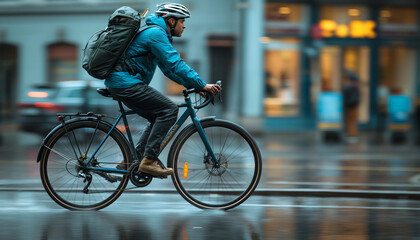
{"type": "Point", "coordinates": [104, 92]}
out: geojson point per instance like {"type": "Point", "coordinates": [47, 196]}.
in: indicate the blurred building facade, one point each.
{"type": "Point", "coordinates": [274, 57]}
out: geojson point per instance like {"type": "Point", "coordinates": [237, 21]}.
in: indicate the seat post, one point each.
{"type": "Point", "coordinates": [121, 107]}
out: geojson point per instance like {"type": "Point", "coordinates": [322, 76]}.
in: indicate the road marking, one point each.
{"type": "Point", "coordinates": [407, 154]}
{"type": "Point", "coordinates": [414, 185]}
{"type": "Point", "coordinates": [330, 207]}
{"type": "Point", "coordinates": [344, 168]}
{"type": "Point", "coordinates": [19, 161]}
{"type": "Point", "coordinates": [19, 181]}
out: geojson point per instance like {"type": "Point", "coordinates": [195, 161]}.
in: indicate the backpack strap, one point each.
{"type": "Point", "coordinates": [124, 64]}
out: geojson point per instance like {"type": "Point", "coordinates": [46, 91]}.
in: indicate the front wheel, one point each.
{"type": "Point", "coordinates": [215, 186]}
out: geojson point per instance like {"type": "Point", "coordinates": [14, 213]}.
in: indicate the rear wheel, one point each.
{"type": "Point", "coordinates": [215, 186]}
{"type": "Point", "coordinates": [63, 154]}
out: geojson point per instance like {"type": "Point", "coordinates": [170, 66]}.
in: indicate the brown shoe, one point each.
{"type": "Point", "coordinates": [153, 168]}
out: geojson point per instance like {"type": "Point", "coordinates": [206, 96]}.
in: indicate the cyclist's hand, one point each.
{"type": "Point", "coordinates": [213, 89]}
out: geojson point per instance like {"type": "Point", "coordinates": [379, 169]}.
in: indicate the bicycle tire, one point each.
{"type": "Point", "coordinates": [59, 167]}
{"type": "Point", "coordinates": [201, 183]}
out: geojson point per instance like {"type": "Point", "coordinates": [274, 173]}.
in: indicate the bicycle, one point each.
{"type": "Point", "coordinates": [217, 164]}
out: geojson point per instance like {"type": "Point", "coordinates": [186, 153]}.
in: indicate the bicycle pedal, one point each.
{"type": "Point", "coordinates": [153, 176]}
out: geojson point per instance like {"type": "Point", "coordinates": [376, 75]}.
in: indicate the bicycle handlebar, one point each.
{"type": "Point", "coordinates": [209, 97]}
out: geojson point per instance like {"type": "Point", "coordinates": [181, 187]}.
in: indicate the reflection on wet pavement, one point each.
{"type": "Point", "coordinates": [167, 216]}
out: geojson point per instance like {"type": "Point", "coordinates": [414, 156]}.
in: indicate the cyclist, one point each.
{"type": "Point", "coordinates": [129, 83]}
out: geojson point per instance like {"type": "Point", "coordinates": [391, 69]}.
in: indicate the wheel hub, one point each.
{"type": "Point", "coordinates": [216, 169]}
{"type": "Point", "coordinates": [75, 166]}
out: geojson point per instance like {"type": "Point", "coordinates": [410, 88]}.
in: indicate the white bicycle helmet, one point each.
{"type": "Point", "coordinates": [174, 10]}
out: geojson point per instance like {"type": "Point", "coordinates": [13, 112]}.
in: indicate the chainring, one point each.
{"type": "Point", "coordinates": [138, 178]}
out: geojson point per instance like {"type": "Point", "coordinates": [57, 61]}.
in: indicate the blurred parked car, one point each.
{"type": "Point", "coordinates": [37, 112]}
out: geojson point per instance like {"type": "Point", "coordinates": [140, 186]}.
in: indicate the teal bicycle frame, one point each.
{"type": "Point", "coordinates": [189, 112]}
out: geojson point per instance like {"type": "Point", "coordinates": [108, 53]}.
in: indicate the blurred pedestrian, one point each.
{"type": "Point", "coordinates": [351, 100]}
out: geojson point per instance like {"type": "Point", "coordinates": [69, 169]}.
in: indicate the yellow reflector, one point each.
{"type": "Point", "coordinates": [185, 170]}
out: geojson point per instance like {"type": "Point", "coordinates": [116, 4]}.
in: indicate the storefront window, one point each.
{"type": "Point", "coordinates": [288, 19]}
{"type": "Point", "coordinates": [398, 66]}
{"type": "Point", "coordinates": [344, 14]}
{"type": "Point", "coordinates": [398, 21]}
{"type": "Point", "coordinates": [282, 79]}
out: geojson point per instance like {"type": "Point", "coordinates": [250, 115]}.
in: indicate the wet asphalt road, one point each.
{"type": "Point", "coordinates": [290, 165]}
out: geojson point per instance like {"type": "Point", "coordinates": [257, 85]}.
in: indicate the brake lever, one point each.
{"type": "Point", "coordinates": [220, 92]}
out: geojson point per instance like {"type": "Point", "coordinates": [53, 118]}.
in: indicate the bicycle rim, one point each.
{"type": "Point", "coordinates": [205, 185]}
{"type": "Point", "coordinates": [61, 173]}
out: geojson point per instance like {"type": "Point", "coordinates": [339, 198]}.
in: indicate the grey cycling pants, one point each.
{"type": "Point", "coordinates": [156, 108]}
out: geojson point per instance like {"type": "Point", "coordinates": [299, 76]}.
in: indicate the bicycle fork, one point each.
{"type": "Point", "coordinates": [205, 140]}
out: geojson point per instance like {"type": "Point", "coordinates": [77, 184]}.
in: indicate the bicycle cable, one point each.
{"type": "Point", "coordinates": [198, 101]}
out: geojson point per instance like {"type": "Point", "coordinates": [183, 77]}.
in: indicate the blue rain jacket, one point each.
{"type": "Point", "coordinates": [150, 48]}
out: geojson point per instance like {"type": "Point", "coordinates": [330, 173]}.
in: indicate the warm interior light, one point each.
{"type": "Point", "coordinates": [265, 39]}
{"type": "Point", "coordinates": [327, 26]}
{"type": "Point", "coordinates": [38, 94]}
{"type": "Point", "coordinates": [370, 29]}
{"type": "Point", "coordinates": [386, 14]}
{"type": "Point", "coordinates": [284, 10]}
{"type": "Point", "coordinates": [354, 12]}
{"type": "Point", "coordinates": [355, 29]}
{"type": "Point", "coordinates": [342, 31]}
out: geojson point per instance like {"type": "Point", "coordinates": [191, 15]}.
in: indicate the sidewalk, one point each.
{"type": "Point", "coordinates": [294, 164]}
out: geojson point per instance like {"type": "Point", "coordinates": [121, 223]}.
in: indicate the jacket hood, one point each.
{"type": "Point", "coordinates": [159, 21]}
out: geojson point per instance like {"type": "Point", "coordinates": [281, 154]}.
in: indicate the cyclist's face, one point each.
{"type": "Point", "coordinates": [179, 28]}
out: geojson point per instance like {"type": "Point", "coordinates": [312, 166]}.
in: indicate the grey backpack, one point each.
{"type": "Point", "coordinates": [105, 48]}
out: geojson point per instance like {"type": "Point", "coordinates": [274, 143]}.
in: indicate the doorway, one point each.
{"type": "Point", "coordinates": [8, 79]}
{"type": "Point", "coordinates": [221, 59]}
{"type": "Point", "coordinates": [334, 63]}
